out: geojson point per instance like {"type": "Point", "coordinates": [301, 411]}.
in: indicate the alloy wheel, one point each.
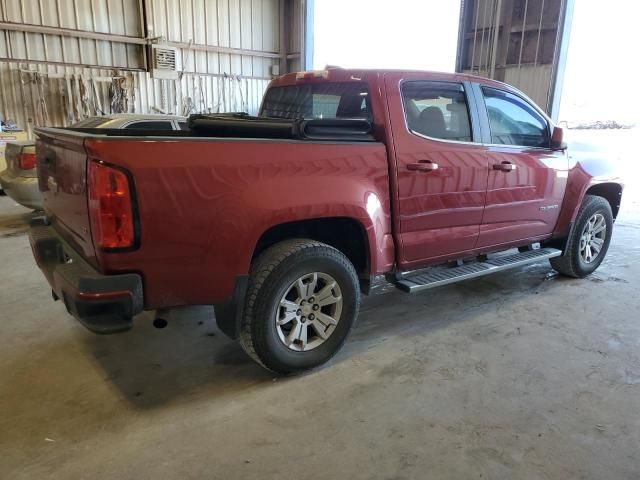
{"type": "Point", "coordinates": [309, 311]}
{"type": "Point", "coordinates": [593, 238]}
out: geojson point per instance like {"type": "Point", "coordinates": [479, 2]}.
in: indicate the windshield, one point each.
{"type": "Point", "coordinates": [318, 100]}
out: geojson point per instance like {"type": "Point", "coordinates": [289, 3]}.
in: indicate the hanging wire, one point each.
{"type": "Point", "coordinates": [535, 61]}
{"type": "Point", "coordinates": [475, 35]}
{"type": "Point", "coordinates": [524, 22]}
{"type": "Point", "coordinates": [484, 22]}
{"type": "Point", "coordinates": [118, 95]}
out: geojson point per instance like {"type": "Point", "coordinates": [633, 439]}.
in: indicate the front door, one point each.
{"type": "Point", "coordinates": [441, 170]}
{"type": "Point", "coordinates": [527, 179]}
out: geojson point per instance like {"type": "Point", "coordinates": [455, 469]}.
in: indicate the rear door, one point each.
{"type": "Point", "coordinates": [441, 167]}
{"type": "Point", "coordinates": [527, 179]}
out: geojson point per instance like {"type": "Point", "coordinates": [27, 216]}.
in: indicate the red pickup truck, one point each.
{"type": "Point", "coordinates": [282, 220]}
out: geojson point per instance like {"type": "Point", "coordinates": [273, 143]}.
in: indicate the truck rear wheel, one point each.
{"type": "Point", "coordinates": [302, 300]}
{"type": "Point", "coordinates": [589, 240]}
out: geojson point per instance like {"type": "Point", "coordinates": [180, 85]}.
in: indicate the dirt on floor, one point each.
{"type": "Point", "coordinates": [520, 375]}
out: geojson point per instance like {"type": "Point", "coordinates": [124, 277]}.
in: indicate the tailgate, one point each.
{"type": "Point", "coordinates": [62, 179]}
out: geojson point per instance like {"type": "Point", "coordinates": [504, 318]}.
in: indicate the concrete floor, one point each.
{"type": "Point", "coordinates": [523, 374]}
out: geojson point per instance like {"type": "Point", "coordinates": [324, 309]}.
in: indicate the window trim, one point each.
{"type": "Point", "coordinates": [484, 116]}
{"type": "Point", "coordinates": [474, 120]}
{"type": "Point", "coordinates": [367, 86]}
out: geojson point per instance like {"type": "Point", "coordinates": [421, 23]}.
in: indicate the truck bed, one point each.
{"type": "Point", "coordinates": [203, 203]}
{"type": "Point", "coordinates": [240, 125]}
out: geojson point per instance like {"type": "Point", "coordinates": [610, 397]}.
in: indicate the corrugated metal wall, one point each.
{"type": "Point", "coordinates": [226, 49]}
{"type": "Point", "coordinates": [295, 38]}
{"type": "Point", "coordinates": [514, 41]}
{"type": "Point", "coordinates": [120, 17]}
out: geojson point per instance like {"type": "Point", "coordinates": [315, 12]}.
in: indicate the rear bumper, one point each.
{"type": "Point", "coordinates": [24, 190]}
{"type": "Point", "coordinates": [102, 303]}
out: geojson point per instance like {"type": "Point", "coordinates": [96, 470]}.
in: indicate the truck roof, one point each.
{"type": "Point", "coordinates": [339, 74]}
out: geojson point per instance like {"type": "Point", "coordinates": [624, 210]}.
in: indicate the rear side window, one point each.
{"type": "Point", "coordinates": [151, 125]}
{"type": "Point", "coordinates": [318, 100]}
{"type": "Point", "coordinates": [437, 110]}
{"type": "Point", "coordinates": [513, 121]}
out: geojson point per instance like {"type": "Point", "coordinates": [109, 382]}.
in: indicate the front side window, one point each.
{"type": "Point", "coordinates": [437, 110]}
{"type": "Point", "coordinates": [318, 100]}
{"type": "Point", "coordinates": [513, 121]}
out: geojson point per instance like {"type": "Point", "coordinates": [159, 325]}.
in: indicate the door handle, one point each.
{"type": "Point", "coordinates": [504, 166]}
{"type": "Point", "coordinates": [423, 166]}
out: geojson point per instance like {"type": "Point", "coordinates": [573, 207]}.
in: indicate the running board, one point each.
{"type": "Point", "coordinates": [443, 276]}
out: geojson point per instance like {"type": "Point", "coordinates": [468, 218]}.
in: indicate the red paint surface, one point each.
{"type": "Point", "coordinates": [525, 202]}
{"type": "Point", "coordinates": [62, 178]}
{"type": "Point", "coordinates": [439, 211]}
{"type": "Point", "coordinates": [203, 204]}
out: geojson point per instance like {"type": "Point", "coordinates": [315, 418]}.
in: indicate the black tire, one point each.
{"type": "Point", "coordinates": [271, 276]}
{"type": "Point", "coordinates": [571, 263]}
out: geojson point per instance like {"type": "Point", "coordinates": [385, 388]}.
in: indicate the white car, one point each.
{"type": "Point", "coordinates": [20, 180]}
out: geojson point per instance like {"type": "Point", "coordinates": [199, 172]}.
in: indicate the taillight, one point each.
{"type": "Point", "coordinates": [27, 161]}
{"type": "Point", "coordinates": [110, 207]}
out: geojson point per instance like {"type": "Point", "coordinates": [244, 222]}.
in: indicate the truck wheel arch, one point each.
{"type": "Point", "coordinates": [346, 234]}
{"type": "Point", "coordinates": [352, 241]}
{"type": "Point", "coordinates": [611, 192]}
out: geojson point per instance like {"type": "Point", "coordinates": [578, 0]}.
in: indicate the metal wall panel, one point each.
{"type": "Point", "coordinates": [39, 94]}
{"type": "Point", "coordinates": [515, 41]}
{"type": "Point", "coordinates": [295, 39]}
{"type": "Point", "coordinates": [121, 17]}
{"type": "Point", "coordinates": [534, 80]}
{"type": "Point", "coordinates": [48, 78]}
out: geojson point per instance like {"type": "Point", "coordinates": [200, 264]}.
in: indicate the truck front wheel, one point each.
{"type": "Point", "coordinates": [302, 300]}
{"type": "Point", "coordinates": [589, 240]}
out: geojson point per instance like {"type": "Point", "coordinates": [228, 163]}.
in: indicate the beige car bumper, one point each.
{"type": "Point", "coordinates": [24, 190]}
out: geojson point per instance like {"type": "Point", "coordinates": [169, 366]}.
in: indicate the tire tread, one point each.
{"type": "Point", "coordinates": [566, 264]}
{"type": "Point", "coordinates": [262, 268]}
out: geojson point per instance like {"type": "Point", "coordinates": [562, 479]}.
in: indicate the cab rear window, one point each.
{"type": "Point", "coordinates": [318, 100]}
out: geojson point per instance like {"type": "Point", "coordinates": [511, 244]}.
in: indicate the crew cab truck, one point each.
{"type": "Point", "coordinates": [281, 221]}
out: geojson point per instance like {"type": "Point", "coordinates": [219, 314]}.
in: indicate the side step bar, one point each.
{"type": "Point", "coordinates": [443, 276]}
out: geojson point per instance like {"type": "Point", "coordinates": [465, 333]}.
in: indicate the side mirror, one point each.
{"type": "Point", "coordinates": [557, 142]}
